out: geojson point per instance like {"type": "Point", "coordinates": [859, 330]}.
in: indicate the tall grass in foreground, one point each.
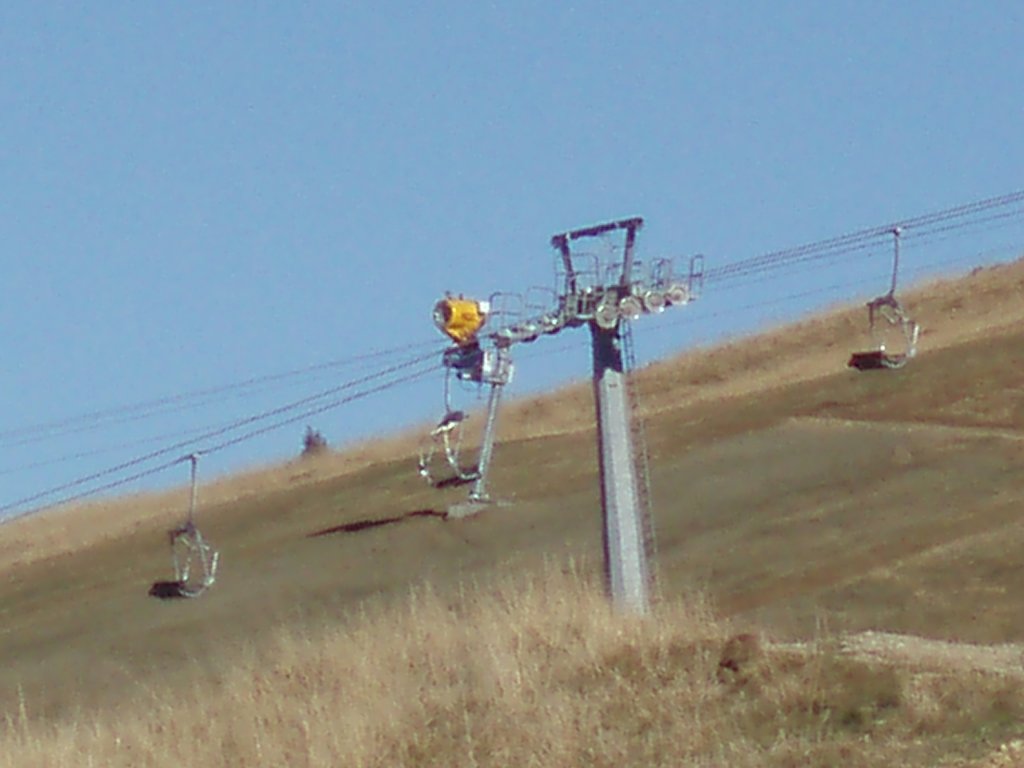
{"type": "Point", "coordinates": [530, 672]}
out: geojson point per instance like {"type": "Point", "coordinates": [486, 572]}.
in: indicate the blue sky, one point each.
{"type": "Point", "coordinates": [195, 195]}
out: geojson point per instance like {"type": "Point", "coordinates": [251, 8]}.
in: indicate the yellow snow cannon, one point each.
{"type": "Point", "coordinates": [460, 319]}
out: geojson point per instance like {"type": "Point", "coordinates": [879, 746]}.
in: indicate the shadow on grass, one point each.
{"type": "Point", "coordinates": [362, 525]}
{"type": "Point", "coordinates": [456, 481]}
{"type": "Point", "coordinates": [167, 590]}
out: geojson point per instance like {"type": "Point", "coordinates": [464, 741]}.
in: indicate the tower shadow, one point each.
{"type": "Point", "coordinates": [362, 525]}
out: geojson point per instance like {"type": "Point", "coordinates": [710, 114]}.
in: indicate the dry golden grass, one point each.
{"type": "Point", "coordinates": [530, 672]}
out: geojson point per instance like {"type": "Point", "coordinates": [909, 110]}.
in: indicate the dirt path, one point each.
{"type": "Point", "coordinates": [921, 654]}
{"type": "Point", "coordinates": [1009, 755]}
{"type": "Point", "coordinates": [910, 652]}
{"type": "Point", "coordinates": [907, 651]}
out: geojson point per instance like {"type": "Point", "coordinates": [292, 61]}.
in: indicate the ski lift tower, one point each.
{"type": "Point", "coordinates": [594, 295]}
{"type": "Point", "coordinates": [606, 297]}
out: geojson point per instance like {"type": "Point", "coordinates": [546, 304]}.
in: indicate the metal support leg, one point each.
{"type": "Point", "coordinates": [496, 371]}
{"type": "Point", "coordinates": [626, 568]}
{"type": "Point", "coordinates": [479, 492]}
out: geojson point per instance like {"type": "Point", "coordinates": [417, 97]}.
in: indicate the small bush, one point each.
{"type": "Point", "coordinates": [313, 443]}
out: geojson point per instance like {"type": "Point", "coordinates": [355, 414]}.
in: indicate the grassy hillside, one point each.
{"type": "Point", "coordinates": [800, 499]}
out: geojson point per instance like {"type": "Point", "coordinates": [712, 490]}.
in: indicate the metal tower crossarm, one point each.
{"type": "Point", "coordinates": [562, 243]}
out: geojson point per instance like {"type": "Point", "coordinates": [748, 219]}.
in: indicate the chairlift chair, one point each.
{"type": "Point", "coordinates": [195, 560]}
{"type": "Point", "coordinates": [887, 320]}
{"type": "Point", "coordinates": [441, 461]}
{"type": "Point", "coordinates": [440, 455]}
{"type": "Point", "coordinates": [444, 442]}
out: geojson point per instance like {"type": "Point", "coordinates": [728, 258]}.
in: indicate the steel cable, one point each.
{"type": "Point", "coordinates": [185, 444]}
